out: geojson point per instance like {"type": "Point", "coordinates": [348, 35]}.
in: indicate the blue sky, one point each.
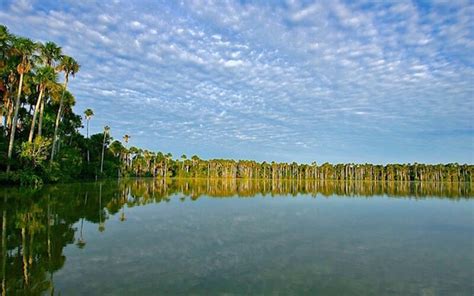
{"type": "Point", "coordinates": [337, 81]}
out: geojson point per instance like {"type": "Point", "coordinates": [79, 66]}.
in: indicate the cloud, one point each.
{"type": "Point", "coordinates": [335, 80]}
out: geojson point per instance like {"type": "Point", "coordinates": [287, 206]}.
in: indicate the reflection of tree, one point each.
{"type": "Point", "coordinates": [124, 200]}
{"type": "Point", "coordinates": [4, 244]}
{"type": "Point", "coordinates": [81, 243]}
{"type": "Point", "coordinates": [101, 223]}
{"type": "Point", "coordinates": [37, 225]}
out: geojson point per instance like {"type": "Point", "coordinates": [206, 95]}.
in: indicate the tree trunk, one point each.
{"type": "Point", "coordinates": [88, 154]}
{"type": "Point", "coordinates": [40, 122]}
{"type": "Point", "coordinates": [102, 158]}
{"type": "Point", "coordinates": [35, 114]}
{"type": "Point", "coordinates": [58, 118]}
{"type": "Point", "coordinates": [15, 120]}
{"type": "Point", "coordinates": [6, 104]}
{"type": "Point", "coordinates": [9, 115]}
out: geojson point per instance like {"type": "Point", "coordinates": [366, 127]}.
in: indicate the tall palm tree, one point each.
{"type": "Point", "coordinates": [70, 67]}
{"type": "Point", "coordinates": [106, 133]}
{"type": "Point", "coordinates": [126, 138]}
{"type": "Point", "coordinates": [5, 49]}
{"type": "Point", "coordinates": [183, 158]}
{"type": "Point", "coordinates": [168, 157]}
{"type": "Point", "coordinates": [43, 77]}
{"type": "Point", "coordinates": [88, 113]}
{"type": "Point", "coordinates": [24, 47]}
{"type": "Point", "coordinates": [49, 53]}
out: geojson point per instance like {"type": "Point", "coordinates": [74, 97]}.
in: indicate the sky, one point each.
{"type": "Point", "coordinates": [336, 81]}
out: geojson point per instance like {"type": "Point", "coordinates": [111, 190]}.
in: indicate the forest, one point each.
{"type": "Point", "coordinates": [40, 141]}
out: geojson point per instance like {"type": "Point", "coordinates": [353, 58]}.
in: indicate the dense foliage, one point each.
{"type": "Point", "coordinates": [40, 141]}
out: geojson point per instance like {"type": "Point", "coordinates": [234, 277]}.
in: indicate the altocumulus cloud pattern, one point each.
{"type": "Point", "coordinates": [338, 81]}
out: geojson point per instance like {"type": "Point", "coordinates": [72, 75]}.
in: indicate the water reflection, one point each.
{"type": "Point", "coordinates": [38, 225]}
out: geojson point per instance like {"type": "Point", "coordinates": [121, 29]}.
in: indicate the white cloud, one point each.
{"type": "Point", "coordinates": [318, 76]}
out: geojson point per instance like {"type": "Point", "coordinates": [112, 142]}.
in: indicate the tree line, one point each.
{"type": "Point", "coordinates": [40, 139]}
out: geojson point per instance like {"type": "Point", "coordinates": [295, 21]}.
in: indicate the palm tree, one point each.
{"type": "Point", "coordinates": [43, 76]}
{"type": "Point", "coordinates": [126, 138]}
{"type": "Point", "coordinates": [88, 114]}
{"type": "Point", "coordinates": [195, 160]}
{"type": "Point", "coordinates": [183, 157]}
{"type": "Point", "coordinates": [24, 47]}
{"type": "Point", "coordinates": [5, 49]}
{"type": "Point", "coordinates": [49, 53]}
{"type": "Point", "coordinates": [70, 67]}
{"type": "Point", "coordinates": [168, 157]}
{"type": "Point", "coordinates": [106, 133]}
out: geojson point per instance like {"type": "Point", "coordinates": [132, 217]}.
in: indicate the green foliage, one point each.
{"type": "Point", "coordinates": [52, 173]}
{"type": "Point", "coordinates": [70, 162]}
{"type": "Point", "coordinates": [10, 178]}
{"type": "Point", "coordinates": [29, 178]}
{"type": "Point", "coordinates": [34, 154]}
{"type": "Point", "coordinates": [24, 178]}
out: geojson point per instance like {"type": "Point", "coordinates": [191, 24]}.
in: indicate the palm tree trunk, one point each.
{"type": "Point", "coordinates": [88, 154]}
{"type": "Point", "coordinates": [102, 158]}
{"type": "Point", "coordinates": [40, 122]}
{"type": "Point", "coordinates": [58, 118]}
{"type": "Point", "coordinates": [15, 120]}
{"type": "Point", "coordinates": [9, 115]}
{"type": "Point", "coordinates": [35, 114]}
{"type": "Point", "coordinates": [6, 104]}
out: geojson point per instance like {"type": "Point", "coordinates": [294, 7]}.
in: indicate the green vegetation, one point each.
{"type": "Point", "coordinates": [40, 141]}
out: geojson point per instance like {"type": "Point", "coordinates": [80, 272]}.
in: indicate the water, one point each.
{"type": "Point", "coordinates": [214, 237]}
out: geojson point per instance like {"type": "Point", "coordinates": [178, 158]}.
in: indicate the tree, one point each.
{"type": "Point", "coordinates": [36, 152]}
{"type": "Point", "coordinates": [168, 157]}
{"type": "Point", "coordinates": [88, 113]}
{"type": "Point", "coordinates": [183, 158]}
{"type": "Point", "coordinates": [49, 54]}
{"type": "Point", "coordinates": [106, 134]}
{"type": "Point", "coordinates": [5, 50]}
{"type": "Point", "coordinates": [24, 47]}
{"type": "Point", "coordinates": [43, 78]}
{"type": "Point", "coordinates": [126, 138]}
{"type": "Point", "coordinates": [70, 67]}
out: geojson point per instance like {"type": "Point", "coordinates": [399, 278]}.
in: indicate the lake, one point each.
{"type": "Point", "coordinates": [238, 237]}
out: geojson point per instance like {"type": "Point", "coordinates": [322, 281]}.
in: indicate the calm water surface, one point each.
{"type": "Point", "coordinates": [213, 237]}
